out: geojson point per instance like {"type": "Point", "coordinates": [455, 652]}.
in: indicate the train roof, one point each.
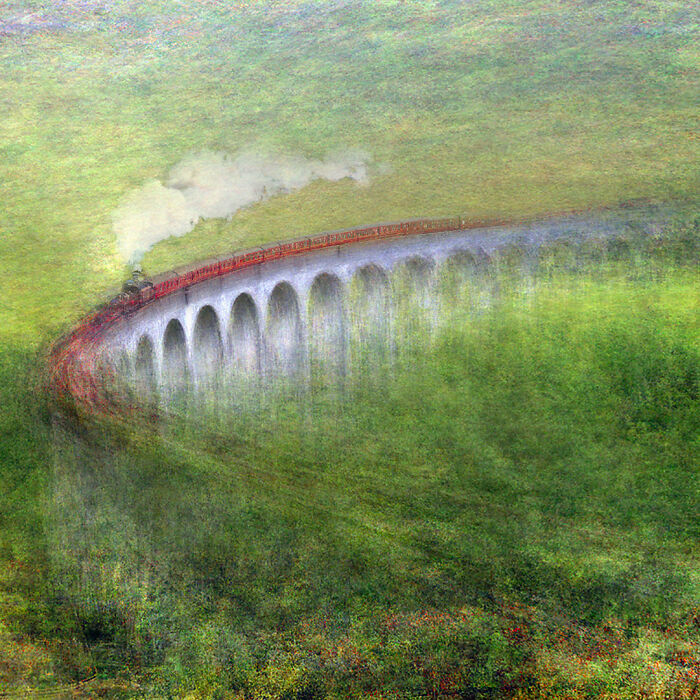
{"type": "Point", "coordinates": [191, 267]}
{"type": "Point", "coordinates": [164, 276]}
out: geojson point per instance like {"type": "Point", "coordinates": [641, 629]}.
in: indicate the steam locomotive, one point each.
{"type": "Point", "coordinates": [139, 290]}
{"type": "Point", "coordinates": [73, 360]}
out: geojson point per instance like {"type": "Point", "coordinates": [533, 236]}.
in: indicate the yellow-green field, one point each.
{"type": "Point", "coordinates": [484, 109]}
{"type": "Point", "coordinates": [509, 510]}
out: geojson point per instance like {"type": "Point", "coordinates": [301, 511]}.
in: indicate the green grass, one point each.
{"type": "Point", "coordinates": [509, 507]}
{"type": "Point", "coordinates": [538, 472]}
{"type": "Point", "coordinates": [483, 109]}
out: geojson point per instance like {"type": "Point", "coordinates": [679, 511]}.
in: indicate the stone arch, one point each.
{"type": "Point", "coordinates": [484, 259]}
{"type": "Point", "coordinates": [175, 369]}
{"type": "Point", "coordinates": [207, 347]}
{"type": "Point", "coordinates": [115, 369]}
{"type": "Point", "coordinates": [144, 364]}
{"type": "Point", "coordinates": [417, 270]}
{"type": "Point", "coordinates": [456, 272]}
{"type": "Point", "coordinates": [559, 254]}
{"type": "Point", "coordinates": [122, 365]}
{"type": "Point", "coordinates": [370, 306]}
{"type": "Point", "coordinates": [326, 322]}
{"type": "Point", "coordinates": [412, 284]}
{"type": "Point", "coordinates": [371, 279]}
{"type": "Point", "coordinates": [511, 258]}
{"type": "Point", "coordinates": [412, 280]}
{"type": "Point", "coordinates": [244, 334]}
{"type": "Point", "coordinates": [461, 261]}
{"type": "Point", "coordinates": [283, 328]}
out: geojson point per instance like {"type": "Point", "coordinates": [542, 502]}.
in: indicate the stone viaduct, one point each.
{"type": "Point", "coordinates": [269, 317]}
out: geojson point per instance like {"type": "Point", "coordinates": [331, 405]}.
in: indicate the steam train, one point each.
{"type": "Point", "coordinates": [75, 376]}
{"type": "Point", "coordinates": [139, 291]}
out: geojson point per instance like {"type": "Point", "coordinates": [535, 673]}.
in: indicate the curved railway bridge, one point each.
{"type": "Point", "coordinates": [267, 309]}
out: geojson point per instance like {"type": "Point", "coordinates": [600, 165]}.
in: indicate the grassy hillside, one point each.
{"type": "Point", "coordinates": [530, 513]}
{"type": "Point", "coordinates": [483, 108]}
{"type": "Point", "coordinates": [508, 507]}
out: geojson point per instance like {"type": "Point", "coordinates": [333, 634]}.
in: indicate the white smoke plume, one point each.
{"type": "Point", "coordinates": [210, 184]}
